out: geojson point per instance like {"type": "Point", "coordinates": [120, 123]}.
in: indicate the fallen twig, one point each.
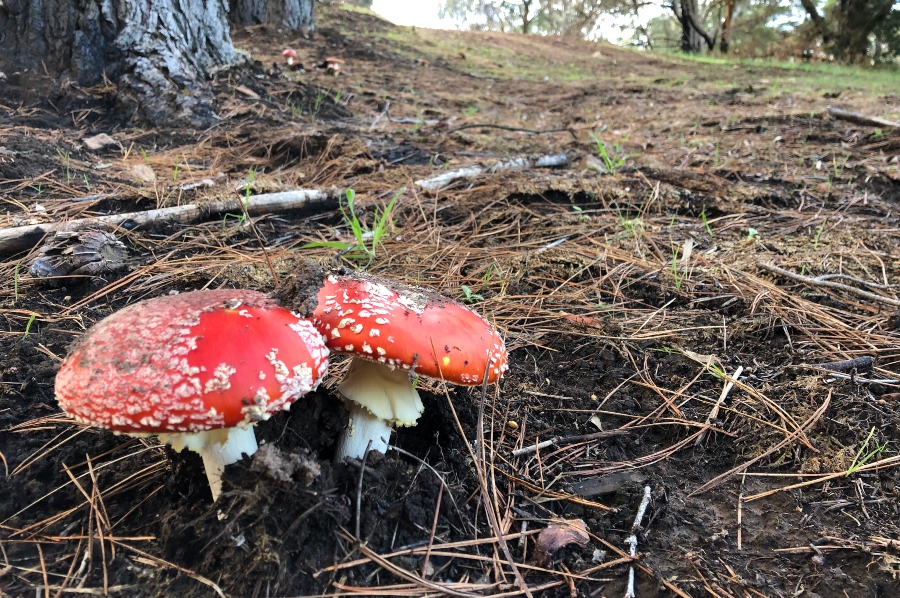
{"type": "Point", "coordinates": [859, 380]}
{"type": "Point", "coordinates": [387, 106]}
{"type": "Point", "coordinates": [715, 410]}
{"type": "Point", "coordinates": [23, 237]}
{"type": "Point", "coordinates": [860, 118]}
{"type": "Point", "coordinates": [359, 487]}
{"type": "Point", "coordinates": [817, 282]}
{"type": "Point", "coordinates": [860, 364]}
{"type": "Point", "coordinates": [514, 129]}
{"type": "Point", "coordinates": [631, 540]}
{"type": "Point", "coordinates": [562, 440]}
{"type": "Point", "coordinates": [548, 161]}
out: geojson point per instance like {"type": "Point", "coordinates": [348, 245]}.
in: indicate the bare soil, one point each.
{"type": "Point", "coordinates": [629, 295]}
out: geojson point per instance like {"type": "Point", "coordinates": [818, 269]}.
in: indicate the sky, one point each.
{"type": "Point", "coordinates": [421, 13]}
{"type": "Point", "coordinates": [424, 13]}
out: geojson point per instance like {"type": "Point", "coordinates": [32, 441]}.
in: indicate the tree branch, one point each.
{"type": "Point", "coordinates": [816, 18]}
{"type": "Point", "coordinates": [710, 41]}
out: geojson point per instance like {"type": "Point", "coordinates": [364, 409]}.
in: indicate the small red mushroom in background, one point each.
{"type": "Point", "coordinates": [198, 369]}
{"type": "Point", "coordinates": [290, 57]}
{"type": "Point", "coordinates": [395, 331]}
{"type": "Point", "coordinates": [333, 66]}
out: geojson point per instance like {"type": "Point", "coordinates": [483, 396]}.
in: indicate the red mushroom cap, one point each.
{"type": "Point", "coordinates": [191, 362]}
{"type": "Point", "coordinates": [408, 327]}
{"type": "Point", "coordinates": [290, 53]}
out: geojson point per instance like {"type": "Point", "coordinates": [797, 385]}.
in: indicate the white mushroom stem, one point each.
{"type": "Point", "coordinates": [218, 448]}
{"type": "Point", "coordinates": [362, 428]}
{"type": "Point", "coordinates": [378, 396]}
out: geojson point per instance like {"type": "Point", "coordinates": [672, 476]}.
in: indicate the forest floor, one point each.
{"type": "Point", "coordinates": [652, 337]}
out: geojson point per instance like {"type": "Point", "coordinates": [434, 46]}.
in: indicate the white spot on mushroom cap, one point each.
{"type": "Point", "coordinates": [221, 378]}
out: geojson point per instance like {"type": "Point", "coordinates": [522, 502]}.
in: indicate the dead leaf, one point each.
{"type": "Point", "coordinates": [99, 141]}
{"type": "Point", "coordinates": [143, 173]}
{"type": "Point", "coordinates": [247, 92]}
{"type": "Point", "coordinates": [558, 535]}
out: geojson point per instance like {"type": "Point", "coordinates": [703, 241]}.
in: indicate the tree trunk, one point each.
{"type": "Point", "coordinates": [690, 38]}
{"type": "Point", "coordinates": [526, 17]}
{"type": "Point", "coordinates": [286, 14]}
{"type": "Point", "coordinates": [726, 26]}
{"type": "Point", "coordinates": [855, 22]}
{"type": "Point", "coordinates": [159, 52]}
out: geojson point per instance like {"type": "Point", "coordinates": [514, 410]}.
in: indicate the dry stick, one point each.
{"type": "Point", "coordinates": [404, 574]}
{"type": "Point", "coordinates": [787, 440]}
{"type": "Point", "coordinates": [828, 284]}
{"type": "Point", "coordinates": [873, 285]}
{"type": "Point", "coordinates": [515, 129]}
{"type": "Point", "coordinates": [359, 486]}
{"type": "Point", "coordinates": [632, 539]}
{"type": "Point", "coordinates": [44, 570]}
{"type": "Point", "coordinates": [387, 106]}
{"type": "Point", "coordinates": [23, 237]}
{"type": "Point", "coordinates": [417, 550]}
{"type": "Point", "coordinates": [548, 161]}
{"type": "Point", "coordinates": [861, 119]}
{"type": "Point", "coordinates": [562, 440]}
{"type": "Point", "coordinates": [437, 512]}
{"type": "Point", "coordinates": [740, 510]}
{"type": "Point", "coordinates": [859, 364]}
{"type": "Point", "coordinates": [715, 410]}
{"type": "Point", "coordinates": [889, 462]}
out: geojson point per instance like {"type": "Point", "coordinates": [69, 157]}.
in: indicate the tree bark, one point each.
{"type": "Point", "coordinates": [726, 26]}
{"type": "Point", "coordinates": [688, 16]}
{"type": "Point", "coordinates": [818, 22]}
{"type": "Point", "coordinates": [526, 17]}
{"type": "Point", "coordinates": [287, 14]}
{"type": "Point", "coordinates": [159, 52]}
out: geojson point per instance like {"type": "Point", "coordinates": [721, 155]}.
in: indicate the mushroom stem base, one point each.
{"type": "Point", "coordinates": [362, 428]}
{"type": "Point", "coordinates": [218, 448]}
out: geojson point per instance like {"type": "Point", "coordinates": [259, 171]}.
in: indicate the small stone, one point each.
{"type": "Point", "coordinates": [99, 141]}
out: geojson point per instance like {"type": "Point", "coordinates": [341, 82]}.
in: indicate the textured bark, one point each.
{"type": "Point", "coordinates": [685, 11]}
{"type": "Point", "coordinates": [159, 52]}
{"type": "Point", "coordinates": [287, 14]}
{"type": "Point", "coordinates": [818, 22]}
{"type": "Point", "coordinates": [726, 26]}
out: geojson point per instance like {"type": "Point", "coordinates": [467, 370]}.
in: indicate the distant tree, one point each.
{"type": "Point", "coordinates": [159, 53]}
{"type": "Point", "coordinates": [550, 17]}
{"type": "Point", "coordinates": [287, 14]}
{"type": "Point", "coordinates": [851, 28]}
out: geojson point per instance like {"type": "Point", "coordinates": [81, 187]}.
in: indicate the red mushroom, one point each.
{"type": "Point", "coordinates": [290, 56]}
{"type": "Point", "coordinates": [197, 369]}
{"type": "Point", "coordinates": [396, 331]}
{"type": "Point", "coordinates": [333, 65]}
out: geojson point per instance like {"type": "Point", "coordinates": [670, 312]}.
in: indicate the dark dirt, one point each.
{"type": "Point", "coordinates": [614, 290]}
